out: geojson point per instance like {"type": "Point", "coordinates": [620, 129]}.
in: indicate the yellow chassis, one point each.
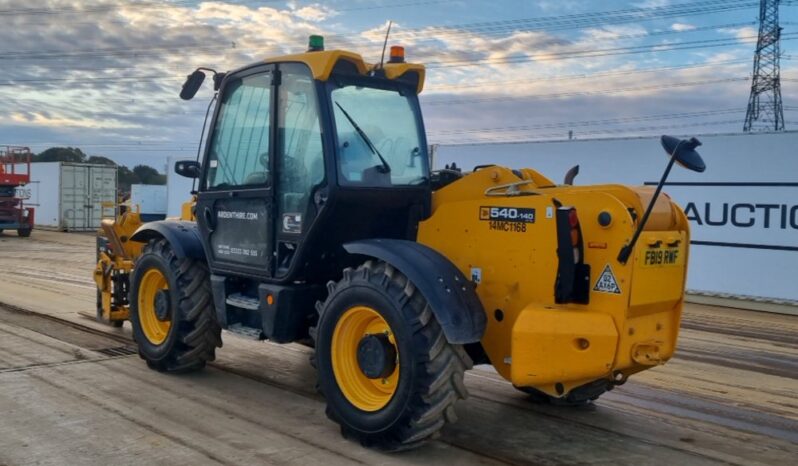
{"type": "Point", "coordinates": [530, 339]}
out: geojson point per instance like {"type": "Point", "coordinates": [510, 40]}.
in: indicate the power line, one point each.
{"type": "Point", "coordinates": [516, 98]}
{"type": "Point", "coordinates": [571, 21]}
{"type": "Point", "coordinates": [560, 136]}
{"type": "Point", "coordinates": [602, 18]}
{"type": "Point", "coordinates": [590, 53]}
{"type": "Point", "coordinates": [88, 80]}
{"type": "Point", "coordinates": [461, 101]}
{"type": "Point", "coordinates": [104, 8]}
{"type": "Point", "coordinates": [483, 84]}
{"type": "Point", "coordinates": [574, 124]}
{"type": "Point", "coordinates": [125, 51]}
{"type": "Point", "coordinates": [160, 147]}
{"type": "Point", "coordinates": [587, 53]}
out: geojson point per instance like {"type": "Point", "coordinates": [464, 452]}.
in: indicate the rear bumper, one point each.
{"type": "Point", "coordinates": [14, 219]}
{"type": "Point", "coordinates": [14, 226]}
{"type": "Point", "coordinates": [556, 350]}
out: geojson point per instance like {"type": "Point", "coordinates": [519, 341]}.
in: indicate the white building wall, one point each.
{"type": "Point", "coordinates": [178, 188]}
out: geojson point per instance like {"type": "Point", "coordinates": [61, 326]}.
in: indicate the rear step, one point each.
{"type": "Point", "coordinates": [245, 331]}
{"type": "Point", "coordinates": [244, 302]}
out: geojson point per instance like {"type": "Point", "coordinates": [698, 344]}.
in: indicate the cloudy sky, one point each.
{"type": "Point", "coordinates": [105, 75]}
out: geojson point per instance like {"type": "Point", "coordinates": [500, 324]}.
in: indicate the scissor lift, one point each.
{"type": "Point", "coordinates": [15, 174]}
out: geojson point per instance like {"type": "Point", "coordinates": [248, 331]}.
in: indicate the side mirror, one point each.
{"type": "Point", "coordinates": [192, 85]}
{"type": "Point", "coordinates": [188, 168]}
{"type": "Point", "coordinates": [683, 151]}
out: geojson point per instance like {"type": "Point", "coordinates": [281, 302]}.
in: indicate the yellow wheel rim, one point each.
{"type": "Point", "coordinates": [364, 393]}
{"type": "Point", "coordinates": [155, 330]}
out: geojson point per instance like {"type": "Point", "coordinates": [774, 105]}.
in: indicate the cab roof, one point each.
{"type": "Point", "coordinates": [322, 63]}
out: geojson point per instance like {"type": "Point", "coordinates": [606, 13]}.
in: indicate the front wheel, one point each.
{"type": "Point", "coordinates": [390, 377]}
{"type": "Point", "coordinates": [171, 310]}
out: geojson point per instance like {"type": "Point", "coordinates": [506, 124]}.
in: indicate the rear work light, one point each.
{"type": "Point", "coordinates": [576, 237]}
{"type": "Point", "coordinates": [573, 219]}
{"type": "Point", "coordinates": [573, 276]}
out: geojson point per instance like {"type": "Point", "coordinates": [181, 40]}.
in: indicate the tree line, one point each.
{"type": "Point", "coordinates": [140, 174]}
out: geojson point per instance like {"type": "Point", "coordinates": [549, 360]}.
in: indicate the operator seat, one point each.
{"type": "Point", "coordinates": [259, 176]}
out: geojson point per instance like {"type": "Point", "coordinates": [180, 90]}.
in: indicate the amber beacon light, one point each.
{"type": "Point", "coordinates": [397, 54]}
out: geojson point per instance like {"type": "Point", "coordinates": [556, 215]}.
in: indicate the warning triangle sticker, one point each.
{"type": "Point", "coordinates": [606, 282]}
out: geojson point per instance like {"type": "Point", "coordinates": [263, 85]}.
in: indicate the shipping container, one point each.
{"type": "Point", "coordinates": [72, 196]}
{"type": "Point", "coordinates": [149, 200]}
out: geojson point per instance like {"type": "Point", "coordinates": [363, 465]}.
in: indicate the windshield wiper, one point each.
{"type": "Point", "coordinates": [385, 167]}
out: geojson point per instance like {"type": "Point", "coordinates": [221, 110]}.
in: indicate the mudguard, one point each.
{"type": "Point", "coordinates": [183, 236]}
{"type": "Point", "coordinates": [451, 296]}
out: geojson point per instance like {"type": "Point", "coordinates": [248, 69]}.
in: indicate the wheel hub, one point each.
{"type": "Point", "coordinates": [376, 356]}
{"type": "Point", "coordinates": [162, 305]}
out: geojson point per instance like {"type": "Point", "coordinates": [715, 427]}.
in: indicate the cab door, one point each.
{"type": "Point", "coordinates": [235, 200]}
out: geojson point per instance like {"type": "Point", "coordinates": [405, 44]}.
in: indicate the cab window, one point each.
{"type": "Point", "coordinates": [239, 150]}
{"type": "Point", "coordinates": [378, 137]}
{"type": "Point", "coordinates": [300, 159]}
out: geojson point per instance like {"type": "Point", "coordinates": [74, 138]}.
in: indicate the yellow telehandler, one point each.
{"type": "Point", "coordinates": [317, 219]}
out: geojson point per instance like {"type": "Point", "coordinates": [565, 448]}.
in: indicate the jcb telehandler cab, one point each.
{"type": "Point", "coordinates": [316, 219]}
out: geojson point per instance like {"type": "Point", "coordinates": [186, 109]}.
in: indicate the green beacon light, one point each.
{"type": "Point", "coordinates": [315, 43]}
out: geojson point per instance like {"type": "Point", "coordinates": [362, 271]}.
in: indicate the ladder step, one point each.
{"type": "Point", "coordinates": [243, 302]}
{"type": "Point", "coordinates": [247, 332]}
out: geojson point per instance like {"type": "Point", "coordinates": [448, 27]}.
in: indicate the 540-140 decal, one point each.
{"type": "Point", "coordinates": [510, 219]}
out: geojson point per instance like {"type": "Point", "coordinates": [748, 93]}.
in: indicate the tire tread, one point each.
{"type": "Point", "coordinates": [199, 334]}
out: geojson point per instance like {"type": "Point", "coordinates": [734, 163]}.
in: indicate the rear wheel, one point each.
{"type": "Point", "coordinates": [390, 378]}
{"type": "Point", "coordinates": [24, 232]}
{"type": "Point", "coordinates": [171, 310]}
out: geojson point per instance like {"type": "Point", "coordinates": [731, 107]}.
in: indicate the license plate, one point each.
{"type": "Point", "coordinates": [661, 257]}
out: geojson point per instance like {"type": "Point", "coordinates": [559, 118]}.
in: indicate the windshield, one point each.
{"type": "Point", "coordinates": [379, 140]}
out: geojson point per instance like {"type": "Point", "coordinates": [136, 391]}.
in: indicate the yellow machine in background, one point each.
{"type": "Point", "coordinates": [116, 254]}
{"type": "Point", "coordinates": [318, 220]}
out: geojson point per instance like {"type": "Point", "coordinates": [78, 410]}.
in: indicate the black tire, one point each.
{"type": "Point", "coordinates": [1, 231]}
{"type": "Point", "coordinates": [431, 369]}
{"type": "Point", "coordinates": [24, 232]}
{"type": "Point", "coordinates": [194, 334]}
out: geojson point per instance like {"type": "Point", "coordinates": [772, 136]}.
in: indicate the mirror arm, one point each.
{"type": "Point", "coordinates": [626, 251]}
